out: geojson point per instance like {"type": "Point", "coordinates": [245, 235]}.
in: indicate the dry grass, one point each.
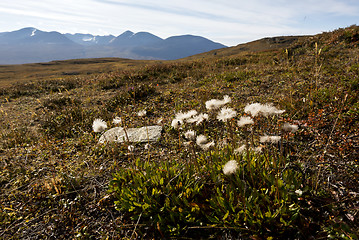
{"type": "Point", "coordinates": [10, 74]}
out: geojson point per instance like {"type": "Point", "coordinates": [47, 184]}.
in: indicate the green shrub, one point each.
{"type": "Point", "coordinates": [260, 197]}
{"type": "Point", "coordinates": [165, 194]}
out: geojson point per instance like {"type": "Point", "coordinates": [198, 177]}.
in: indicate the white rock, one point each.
{"type": "Point", "coordinates": [143, 134]}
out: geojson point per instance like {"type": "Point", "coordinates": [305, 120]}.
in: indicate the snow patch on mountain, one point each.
{"type": "Point", "coordinates": [33, 33]}
{"type": "Point", "coordinates": [89, 39]}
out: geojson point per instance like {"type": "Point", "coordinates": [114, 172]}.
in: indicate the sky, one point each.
{"type": "Point", "coordinates": [229, 22]}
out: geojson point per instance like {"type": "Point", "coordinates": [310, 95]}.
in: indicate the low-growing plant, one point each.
{"type": "Point", "coordinates": [247, 190]}
{"type": "Point", "coordinates": [61, 102]}
{"type": "Point", "coordinates": [69, 122]}
{"type": "Point", "coordinates": [164, 196]}
{"type": "Point", "coordinates": [237, 76]}
{"type": "Point", "coordinates": [59, 85]}
{"type": "Point", "coordinates": [179, 198]}
{"type": "Point", "coordinates": [17, 137]}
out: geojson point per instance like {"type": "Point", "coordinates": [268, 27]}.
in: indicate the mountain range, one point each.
{"type": "Point", "coordinates": [30, 45]}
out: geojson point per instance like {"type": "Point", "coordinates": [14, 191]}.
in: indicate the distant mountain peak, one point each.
{"type": "Point", "coordinates": [29, 45]}
{"type": "Point", "coordinates": [127, 33]}
{"type": "Point", "coordinates": [145, 35]}
{"type": "Point", "coordinates": [27, 29]}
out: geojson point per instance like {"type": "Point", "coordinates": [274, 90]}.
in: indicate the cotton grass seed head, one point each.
{"type": "Point", "coordinates": [201, 139]}
{"type": "Point", "coordinates": [226, 113]}
{"type": "Point", "coordinates": [216, 103]}
{"type": "Point", "coordinates": [226, 99]}
{"type": "Point", "coordinates": [206, 146]}
{"type": "Point", "coordinates": [177, 123]}
{"type": "Point", "coordinates": [203, 143]}
{"type": "Point", "coordinates": [213, 104]}
{"type": "Point", "coordinates": [183, 116]}
{"type": "Point", "coordinates": [99, 125]}
{"type": "Point", "coordinates": [142, 113]}
{"type": "Point", "coordinates": [253, 109]}
{"type": "Point", "coordinates": [117, 120]}
{"type": "Point", "coordinates": [190, 135]}
{"type": "Point", "coordinates": [269, 139]}
{"type": "Point", "coordinates": [245, 121]}
{"type": "Point", "coordinates": [230, 167]}
{"type": "Point", "coordinates": [266, 110]}
{"type": "Point", "coordinates": [198, 119]}
{"type": "Point", "coordinates": [290, 127]}
{"type": "Point", "coordinates": [240, 150]}
{"type": "Point", "coordinates": [258, 149]}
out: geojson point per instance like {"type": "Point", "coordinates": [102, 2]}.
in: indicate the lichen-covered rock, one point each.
{"type": "Point", "coordinates": [143, 134]}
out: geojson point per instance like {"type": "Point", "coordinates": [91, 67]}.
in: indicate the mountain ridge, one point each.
{"type": "Point", "coordinates": [31, 45]}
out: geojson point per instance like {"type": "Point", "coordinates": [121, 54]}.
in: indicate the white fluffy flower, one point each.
{"type": "Point", "coordinates": [254, 109]}
{"type": "Point", "coordinates": [201, 139]}
{"type": "Point", "coordinates": [190, 135]}
{"type": "Point", "coordinates": [198, 119]}
{"type": "Point", "coordinates": [270, 139]}
{"type": "Point", "coordinates": [207, 146]}
{"type": "Point", "coordinates": [240, 150]}
{"type": "Point", "coordinates": [226, 99]}
{"type": "Point", "coordinates": [99, 125]}
{"type": "Point", "coordinates": [131, 148]}
{"type": "Point", "coordinates": [289, 127]}
{"type": "Point", "coordinates": [176, 123]}
{"type": "Point", "coordinates": [226, 113]}
{"type": "Point", "coordinates": [245, 121]}
{"type": "Point", "coordinates": [230, 167]}
{"type": "Point", "coordinates": [117, 120]}
{"type": "Point", "coordinates": [258, 149]}
{"type": "Point", "coordinates": [142, 113]}
{"type": "Point", "coordinates": [216, 103]}
{"type": "Point", "coordinates": [265, 109]}
{"type": "Point", "coordinates": [182, 116]}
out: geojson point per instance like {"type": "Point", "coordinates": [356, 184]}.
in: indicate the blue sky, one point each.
{"type": "Point", "coordinates": [226, 21]}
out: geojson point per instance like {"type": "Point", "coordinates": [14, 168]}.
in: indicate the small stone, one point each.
{"type": "Point", "coordinates": [143, 134]}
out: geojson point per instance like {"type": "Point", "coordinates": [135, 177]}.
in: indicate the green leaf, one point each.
{"type": "Point", "coordinates": [225, 216]}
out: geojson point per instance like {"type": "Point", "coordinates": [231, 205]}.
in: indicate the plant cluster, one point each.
{"type": "Point", "coordinates": [248, 190]}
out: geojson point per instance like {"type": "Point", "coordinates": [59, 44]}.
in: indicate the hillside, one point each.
{"type": "Point", "coordinates": [58, 70]}
{"type": "Point", "coordinates": [282, 171]}
{"type": "Point", "coordinates": [265, 44]}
